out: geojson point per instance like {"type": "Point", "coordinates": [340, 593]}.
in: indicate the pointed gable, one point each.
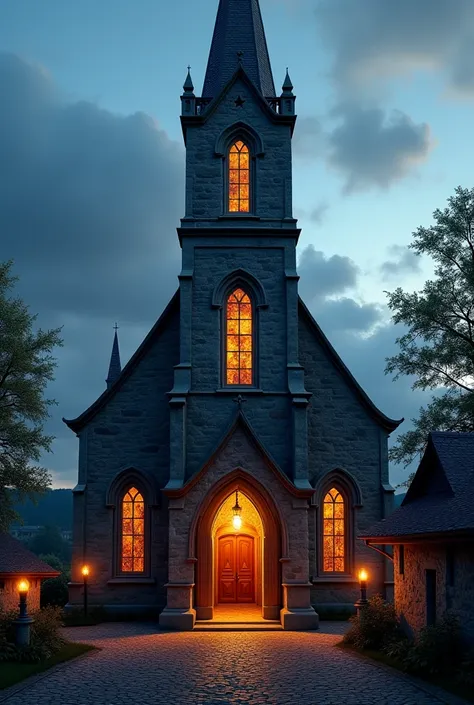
{"type": "Point", "coordinates": [238, 28]}
{"type": "Point", "coordinates": [115, 366]}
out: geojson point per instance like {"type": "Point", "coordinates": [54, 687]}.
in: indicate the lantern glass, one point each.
{"type": "Point", "coordinates": [23, 585]}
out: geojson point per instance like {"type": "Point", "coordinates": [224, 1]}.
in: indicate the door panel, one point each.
{"type": "Point", "coordinates": [236, 569]}
{"type": "Point", "coordinates": [227, 581]}
{"type": "Point", "coordinates": [245, 591]}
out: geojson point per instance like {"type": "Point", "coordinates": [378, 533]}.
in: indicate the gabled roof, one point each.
{"type": "Point", "coordinates": [239, 420]}
{"type": "Point", "coordinates": [440, 498]}
{"type": "Point", "coordinates": [17, 560]}
{"type": "Point", "coordinates": [238, 28]}
{"type": "Point", "coordinates": [78, 423]}
{"type": "Point", "coordinates": [387, 423]}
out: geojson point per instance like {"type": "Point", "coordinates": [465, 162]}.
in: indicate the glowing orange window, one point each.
{"type": "Point", "coordinates": [333, 532]}
{"type": "Point", "coordinates": [239, 178]}
{"type": "Point", "coordinates": [239, 338]}
{"type": "Point", "coordinates": [133, 532]}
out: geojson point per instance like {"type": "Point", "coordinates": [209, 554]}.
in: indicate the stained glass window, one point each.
{"type": "Point", "coordinates": [333, 532]}
{"type": "Point", "coordinates": [239, 178]}
{"type": "Point", "coordinates": [239, 338]}
{"type": "Point", "coordinates": [133, 532]}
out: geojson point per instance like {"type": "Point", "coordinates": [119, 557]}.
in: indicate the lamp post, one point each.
{"type": "Point", "coordinates": [23, 622]}
{"type": "Point", "coordinates": [236, 511]}
{"type": "Point", "coordinates": [362, 601]}
{"type": "Point", "coordinates": [85, 576]}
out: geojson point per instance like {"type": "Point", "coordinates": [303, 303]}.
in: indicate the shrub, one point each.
{"type": "Point", "coordinates": [437, 650]}
{"type": "Point", "coordinates": [374, 626]}
{"type": "Point", "coordinates": [45, 636]}
{"type": "Point", "coordinates": [54, 591]}
{"type": "Point", "coordinates": [465, 673]}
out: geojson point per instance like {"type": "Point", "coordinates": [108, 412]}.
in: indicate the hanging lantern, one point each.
{"type": "Point", "coordinates": [237, 511]}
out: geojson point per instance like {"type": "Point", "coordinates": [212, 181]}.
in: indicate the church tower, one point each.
{"type": "Point", "coordinates": [238, 239]}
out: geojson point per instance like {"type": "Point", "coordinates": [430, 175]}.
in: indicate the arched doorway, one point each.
{"type": "Point", "coordinates": [263, 524]}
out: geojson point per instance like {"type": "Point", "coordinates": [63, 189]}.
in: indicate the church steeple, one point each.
{"type": "Point", "coordinates": [239, 36]}
{"type": "Point", "coordinates": [115, 367]}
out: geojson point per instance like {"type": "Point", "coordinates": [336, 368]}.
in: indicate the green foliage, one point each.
{"type": "Point", "coordinates": [374, 626]}
{"type": "Point", "coordinates": [49, 540]}
{"type": "Point", "coordinates": [54, 591]}
{"type": "Point", "coordinates": [437, 650]}
{"type": "Point", "coordinates": [26, 366]}
{"type": "Point", "coordinates": [438, 348]}
{"type": "Point", "coordinates": [45, 640]}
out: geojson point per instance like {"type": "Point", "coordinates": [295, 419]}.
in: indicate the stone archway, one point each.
{"type": "Point", "coordinates": [274, 543]}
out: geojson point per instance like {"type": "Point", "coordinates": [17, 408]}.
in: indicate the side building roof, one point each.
{"type": "Point", "coordinates": [439, 500]}
{"type": "Point", "coordinates": [16, 559]}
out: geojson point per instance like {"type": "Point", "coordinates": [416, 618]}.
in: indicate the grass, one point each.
{"type": "Point", "coordinates": [447, 683]}
{"type": "Point", "coordinates": [12, 672]}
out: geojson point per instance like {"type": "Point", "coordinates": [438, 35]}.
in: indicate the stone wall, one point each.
{"type": "Point", "coordinates": [342, 434]}
{"type": "Point", "coordinates": [410, 587]}
{"type": "Point", "coordinates": [132, 430]}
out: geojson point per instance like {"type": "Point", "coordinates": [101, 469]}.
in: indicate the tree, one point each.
{"type": "Point", "coordinates": [26, 366]}
{"type": "Point", "coordinates": [438, 347]}
{"type": "Point", "coordinates": [49, 541]}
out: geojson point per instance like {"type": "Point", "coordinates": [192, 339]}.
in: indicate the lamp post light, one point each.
{"type": "Point", "coordinates": [362, 601]}
{"type": "Point", "coordinates": [85, 576]}
{"type": "Point", "coordinates": [23, 622]}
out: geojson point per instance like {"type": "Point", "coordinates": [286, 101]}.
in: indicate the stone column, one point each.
{"type": "Point", "coordinates": [179, 613]}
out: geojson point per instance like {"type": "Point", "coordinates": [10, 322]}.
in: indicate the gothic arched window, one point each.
{"type": "Point", "coordinates": [334, 532]}
{"type": "Point", "coordinates": [239, 178]}
{"type": "Point", "coordinates": [238, 338]}
{"type": "Point", "coordinates": [132, 532]}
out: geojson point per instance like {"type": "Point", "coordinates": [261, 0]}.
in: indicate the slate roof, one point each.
{"type": "Point", "coordinates": [440, 498]}
{"type": "Point", "coordinates": [238, 28]}
{"type": "Point", "coordinates": [16, 559]}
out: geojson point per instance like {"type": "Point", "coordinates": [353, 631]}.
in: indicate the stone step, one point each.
{"type": "Point", "coordinates": [204, 626]}
{"type": "Point", "coordinates": [238, 621]}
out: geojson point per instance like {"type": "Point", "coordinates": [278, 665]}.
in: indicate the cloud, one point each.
{"type": "Point", "coordinates": [346, 314]}
{"type": "Point", "coordinates": [405, 261]}
{"type": "Point", "coordinates": [375, 39]}
{"type": "Point", "coordinates": [323, 276]}
{"type": "Point", "coordinates": [317, 215]}
{"type": "Point", "coordinates": [89, 201]}
{"type": "Point", "coordinates": [308, 138]}
{"type": "Point", "coordinates": [373, 150]}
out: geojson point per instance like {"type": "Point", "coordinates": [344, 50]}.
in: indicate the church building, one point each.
{"type": "Point", "coordinates": [234, 460]}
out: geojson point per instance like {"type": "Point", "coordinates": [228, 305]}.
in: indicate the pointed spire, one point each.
{"type": "Point", "coordinates": [115, 367]}
{"type": "Point", "coordinates": [239, 39]}
{"type": "Point", "coordinates": [188, 84]}
{"type": "Point", "coordinates": [287, 86]}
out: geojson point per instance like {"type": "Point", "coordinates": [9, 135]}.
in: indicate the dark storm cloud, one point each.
{"type": "Point", "coordinates": [89, 201]}
{"type": "Point", "coordinates": [404, 260]}
{"type": "Point", "coordinates": [379, 38]}
{"type": "Point", "coordinates": [323, 276]}
{"type": "Point", "coordinates": [370, 149]}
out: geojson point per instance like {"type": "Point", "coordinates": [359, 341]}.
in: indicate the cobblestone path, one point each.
{"type": "Point", "coordinates": [139, 666]}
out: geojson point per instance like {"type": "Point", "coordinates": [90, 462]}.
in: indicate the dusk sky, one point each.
{"type": "Point", "coordinates": [92, 168]}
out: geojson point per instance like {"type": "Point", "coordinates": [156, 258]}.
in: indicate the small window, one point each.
{"type": "Point", "coordinates": [133, 532]}
{"type": "Point", "coordinates": [334, 532]}
{"type": "Point", "coordinates": [239, 178]}
{"type": "Point", "coordinates": [239, 339]}
{"type": "Point", "coordinates": [401, 559]}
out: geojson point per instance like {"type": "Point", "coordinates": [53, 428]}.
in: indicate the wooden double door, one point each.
{"type": "Point", "coordinates": [235, 569]}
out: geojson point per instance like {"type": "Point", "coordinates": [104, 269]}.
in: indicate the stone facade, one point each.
{"type": "Point", "coordinates": [454, 568]}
